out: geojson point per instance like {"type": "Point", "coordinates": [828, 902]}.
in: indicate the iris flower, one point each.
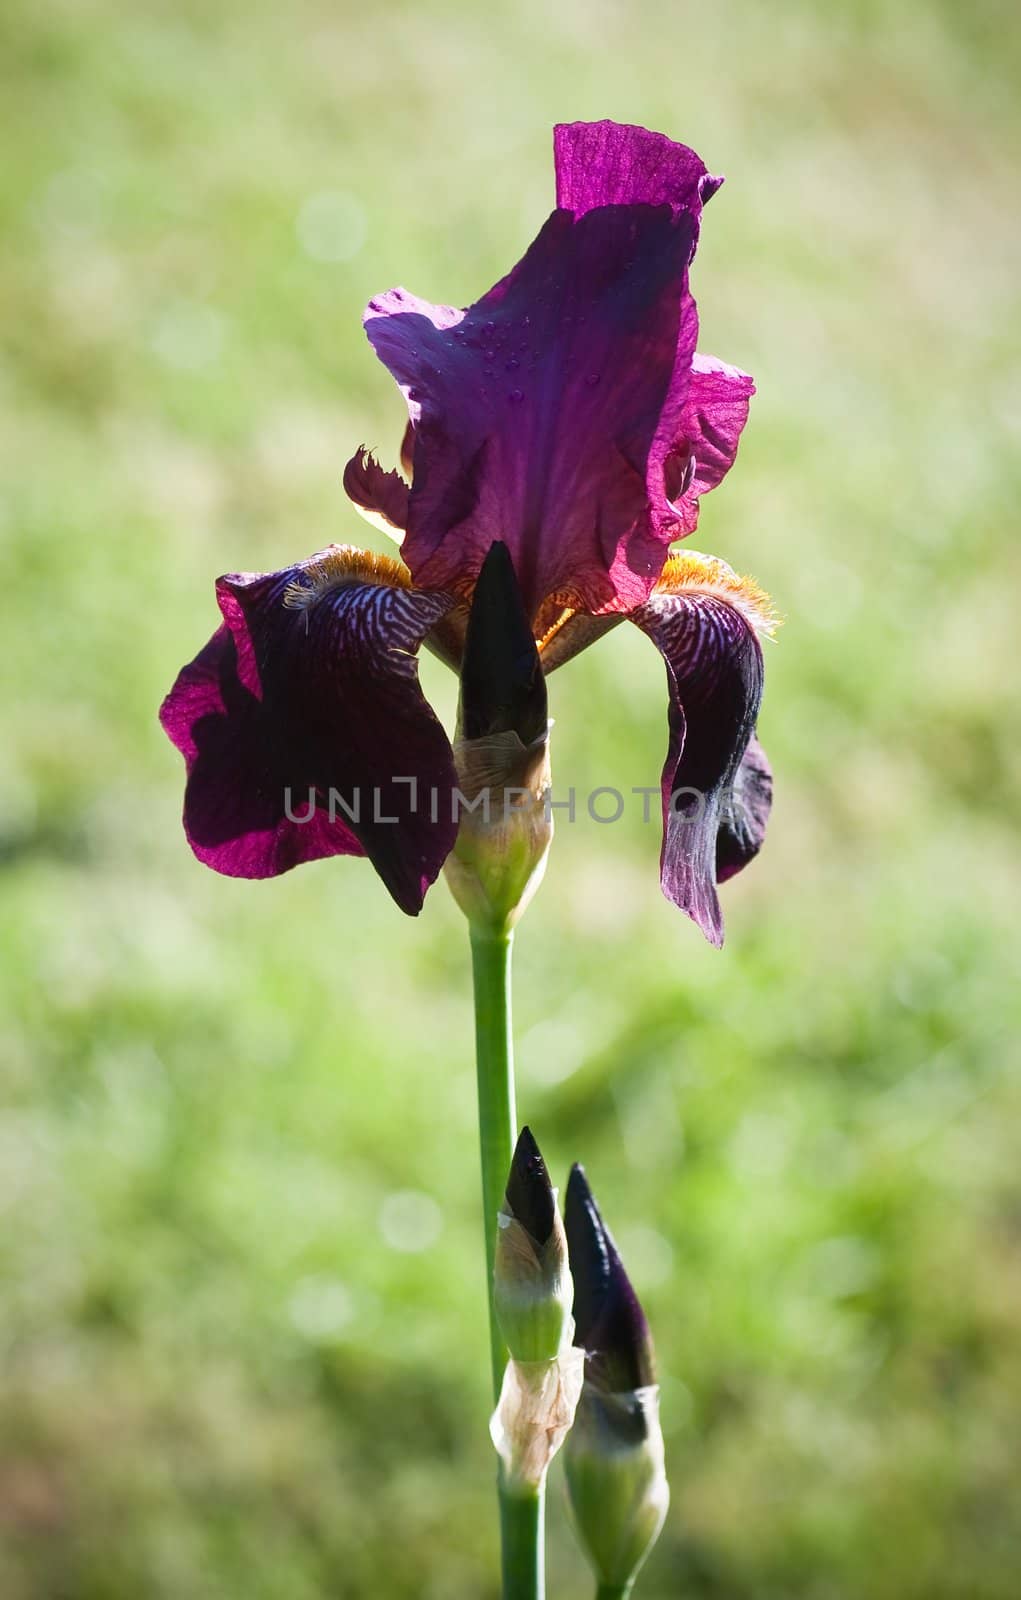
{"type": "Point", "coordinates": [567, 416]}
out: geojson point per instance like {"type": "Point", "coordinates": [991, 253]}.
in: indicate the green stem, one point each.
{"type": "Point", "coordinates": [613, 1591]}
{"type": "Point", "coordinates": [494, 1055]}
{"type": "Point", "coordinates": [521, 1516]}
{"type": "Point", "coordinates": [522, 1539]}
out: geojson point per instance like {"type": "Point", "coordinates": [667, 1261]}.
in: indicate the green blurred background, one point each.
{"type": "Point", "coordinates": [242, 1326]}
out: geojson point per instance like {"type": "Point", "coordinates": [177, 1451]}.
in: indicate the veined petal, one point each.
{"type": "Point", "coordinates": [706, 622]}
{"type": "Point", "coordinates": [544, 414]}
{"type": "Point", "coordinates": [714, 414]}
{"type": "Point", "coordinates": [612, 164]}
{"type": "Point", "coordinates": [309, 694]}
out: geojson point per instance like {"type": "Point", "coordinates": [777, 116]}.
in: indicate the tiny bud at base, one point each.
{"type": "Point", "coordinates": [616, 1480]}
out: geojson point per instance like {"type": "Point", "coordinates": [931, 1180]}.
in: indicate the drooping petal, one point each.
{"type": "Point", "coordinates": [235, 811]}
{"type": "Point", "coordinates": [745, 814]}
{"type": "Point", "coordinates": [544, 414]}
{"type": "Point", "coordinates": [715, 412]}
{"type": "Point", "coordinates": [305, 731]}
{"type": "Point", "coordinates": [706, 621]}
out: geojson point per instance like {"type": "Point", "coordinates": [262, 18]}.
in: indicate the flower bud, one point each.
{"type": "Point", "coordinates": [616, 1477]}
{"type": "Point", "coordinates": [532, 1299]}
{"type": "Point", "coordinates": [502, 755]}
{"type": "Point", "coordinates": [531, 1280]}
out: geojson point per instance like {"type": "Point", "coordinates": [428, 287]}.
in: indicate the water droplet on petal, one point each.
{"type": "Point", "coordinates": [592, 379]}
{"type": "Point", "coordinates": [512, 363]}
{"type": "Point", "coordinates": [516, 395]}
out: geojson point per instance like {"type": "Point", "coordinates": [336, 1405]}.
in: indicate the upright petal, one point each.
{"type": "Point", "coordinates": [612, 164]}
{"type": "Point", "coordinates": [381, 497]}
{"type": "Point", "coordinates": [714, 414]}
{"type": "Point", "coordinates": [305, 732]}
{"type": "Point", "coordinates": [706, 621]}
{"type": "Point", "coordinates": [544, 414]}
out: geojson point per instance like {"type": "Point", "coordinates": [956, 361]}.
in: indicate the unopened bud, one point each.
{"type": "Point", "coordinates": [616, 1480]}
{"type": "Point", "coordinates": [532, 1298]}
{"type": "Point", "coordinates": [531, 1281]}
{"type": "Point", "coordinates": [616, 1477]}
{"type": "Point", "coordinates": [502, 755]}
{"type": "Point", "coordinates": [609, 1322]}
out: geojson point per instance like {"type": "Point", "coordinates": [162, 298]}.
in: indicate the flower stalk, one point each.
{"type": "Point", "coordinates": [497, 861]}
{"type": "Point", "coordinates": [494, 1060]}
{"type": "Point", "coordinates": [522, 1511]}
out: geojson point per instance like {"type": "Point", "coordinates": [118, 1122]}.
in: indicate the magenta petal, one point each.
{"type": "Point", "coordinates": [234, 813]}
{"type": "Point", "coordinates": [612, 164]}
{"type": "Point", "coordinates": [544, 413]}
{"type": "Point", "coordinates": [714, 414]}
{"type": "Point", "coordinates": [311, 689]}
{"type": "Point", "coordinates": [714, 674]}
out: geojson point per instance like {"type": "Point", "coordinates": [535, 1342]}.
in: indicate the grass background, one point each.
{"type": "Point", "coordinates": [242, 1328]}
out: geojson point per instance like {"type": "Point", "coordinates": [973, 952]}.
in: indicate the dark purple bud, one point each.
{"type": "Point", "coordinates": [529, 1191]}
{"type": "Point", "coordinates": [610, 1324]}
{"type": "Point", "coordinates": [531, 1283]}
{"type": "Point", "coordinates": [502, 684]}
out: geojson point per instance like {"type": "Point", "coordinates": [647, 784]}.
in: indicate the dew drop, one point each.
{"type": "Point", "coordinates": [592, 379]}
{"type": "Point", "coordinates": [516, 395]}
{"type": "Point", "coordinates": [487, 372]}
{"type": "Point", "coordinates": [513, 363]}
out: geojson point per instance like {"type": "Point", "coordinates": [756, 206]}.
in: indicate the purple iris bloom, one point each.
{"type": "Point", "coordinates": [567, 416]}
